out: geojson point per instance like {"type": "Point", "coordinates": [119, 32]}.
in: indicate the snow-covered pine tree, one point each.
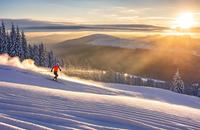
{"type": "Point", "coordinates": [46, 57]}
{"type": "Point", "coordinates": [55, 60]}
{"type": "Point", "coordinates": [12, 44]}
{"type": "Point", "coordinates": [24, 46]}
{"type": "Point", "coordinates": [36, 54]}
{"type": "Point", "coordinates": [42, 58]}
{"type": "Point", "coordinates": [5, 40]}
{"type": "Point", "coordinates": [62, 64]}
{"type": "Point", "coordinates": [31, 51]}
{"type": "Point", "coordinates": [50, 59]}
{"type": "Point", "coordinates": [18, 45]}
{"type": "Point", "coordinates": [8, 38]}
{"type": "Point", "coordinates": [1, 40]}
{"type": "Point", "coordinates": [178, 84]}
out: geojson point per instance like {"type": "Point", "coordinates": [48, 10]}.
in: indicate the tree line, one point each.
{"type": "Point", "coordinates": [14, 43]}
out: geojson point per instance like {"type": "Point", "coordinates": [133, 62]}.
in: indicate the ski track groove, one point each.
{"type": "Point", "coordinates": [7, 126]}
{"type": "Point", "coordinates": [21, 124]}
{"type": "Point", "coordinates": [145, 118]}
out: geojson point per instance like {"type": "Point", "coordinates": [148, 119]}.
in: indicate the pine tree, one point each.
{"type": "Point", "coordinates": [178, 84]}
{"type": "Point", "coordinates": [62, 63]}
{"type": "Point", "coordinates": [9, 44]}
{"type": "Point", "coordinates": [36, 54]}
{"type": "Point", "coordinates": [12, 44]}
{"type": "Point", "coordinates": [18, 45]}
{"type": "Point", "coordinates": [46, 57]}
{"type": "Point", "coordinates": [42, 58]}
{"type": "Point", "coordinates": [1, 40]}
{"type": "Point", "coordinates": [55, 60]}
{"type": "Point", "coordinates": [50, 59]}
{"type": "Point", "coordinates": [24, 46]}
{"type": "Point", "coordinates": [31, 52]}
{"type": "Point", "coordinates": [15, 44]}
{"type": "Point", "coordinates": [4, 38]}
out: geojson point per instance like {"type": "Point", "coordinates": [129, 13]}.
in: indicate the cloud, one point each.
{"type": "Point", "coordinates": [118, 10]}
{"type": "Point", "coordinates": [103, 27]}
{"type": "Point", "coordinates": [23, 23]}
{"type": "Point", "coordinates": [125, 15]}
{"type": "Point", "coordinates": [130, 18]}
{"type": "Point", "coordinates": [33, 25]}
{"type": "Point", "coordinates": [158, 18]}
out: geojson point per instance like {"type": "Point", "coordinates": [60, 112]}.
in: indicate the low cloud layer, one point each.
{"type": "Point", "coordinates": [34, 25]}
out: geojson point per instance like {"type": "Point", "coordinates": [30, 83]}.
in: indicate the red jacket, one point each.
{"type": "Point", "coordinates": [55, 68]}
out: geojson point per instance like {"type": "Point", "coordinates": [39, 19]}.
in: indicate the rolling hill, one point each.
{"type": "Point", "coordinates": [108, 40]}
{"type": "Point", "coordinates": [157, 59]}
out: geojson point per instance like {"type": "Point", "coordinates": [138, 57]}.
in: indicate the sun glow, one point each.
{"type": "Point", "coordinates": [185, 21]}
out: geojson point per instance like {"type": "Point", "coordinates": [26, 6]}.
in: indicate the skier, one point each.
{"type": "Point", "coordinates": [55, 69]}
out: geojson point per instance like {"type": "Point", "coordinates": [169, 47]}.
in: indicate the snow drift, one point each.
{"type": "Point", "coordinates": [15, 62]}
{"type": "Point", "coordinates": [30, 100]}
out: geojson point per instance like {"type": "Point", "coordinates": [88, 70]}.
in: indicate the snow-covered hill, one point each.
{"type": "Point", "coordinates": [108, 40]}
{"type": "Point", "coordinates": [29, 99]}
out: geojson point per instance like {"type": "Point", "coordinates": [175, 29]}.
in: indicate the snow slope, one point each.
{"type": "Point", "coordinates": [31, 100]}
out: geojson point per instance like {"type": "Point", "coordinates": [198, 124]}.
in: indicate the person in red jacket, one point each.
{"type": "Point", "coordinates": [55, 69]}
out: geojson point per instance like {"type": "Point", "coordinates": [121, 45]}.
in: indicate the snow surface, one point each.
{"type": "Point", "coordinates": [29, 99]}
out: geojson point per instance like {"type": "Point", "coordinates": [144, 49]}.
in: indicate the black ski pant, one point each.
{"type": "Point", "coordinates": [56, 74]}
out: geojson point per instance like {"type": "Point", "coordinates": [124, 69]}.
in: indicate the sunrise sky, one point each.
{"type": "Point", "coordinates": [153, 12]}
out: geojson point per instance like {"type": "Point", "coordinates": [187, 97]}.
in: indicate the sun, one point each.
{"type": "Point", "coordinates": [185, 20]}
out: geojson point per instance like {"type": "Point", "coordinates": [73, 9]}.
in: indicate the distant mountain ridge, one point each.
{"type": "Point", "coordinates": [27, 23]}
